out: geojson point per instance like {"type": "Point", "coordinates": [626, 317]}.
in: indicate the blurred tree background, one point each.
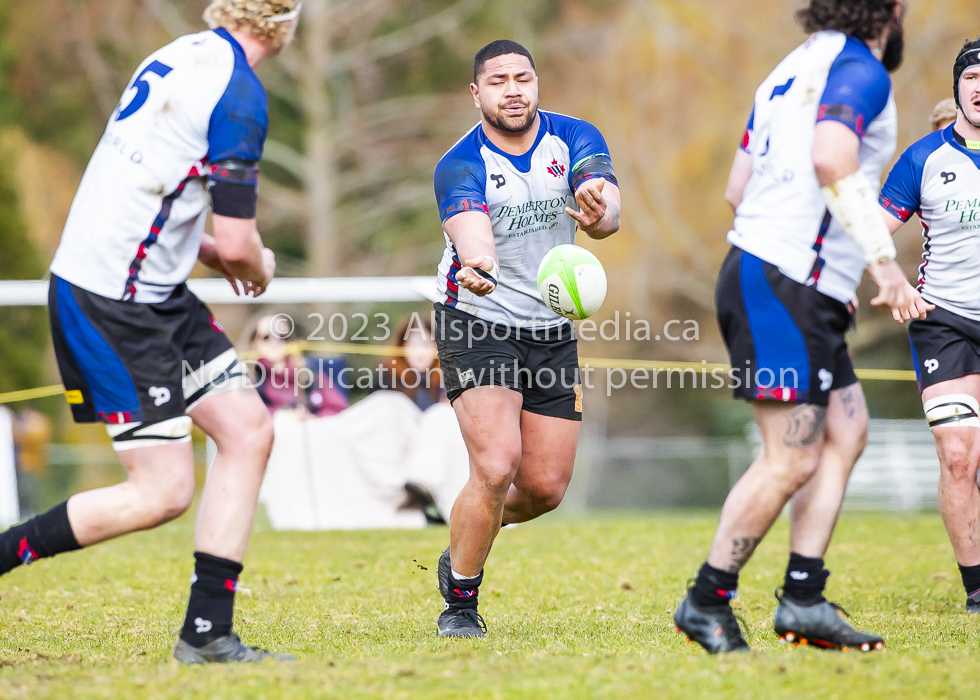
{"type": "Point", "coordinates": [372, 93]}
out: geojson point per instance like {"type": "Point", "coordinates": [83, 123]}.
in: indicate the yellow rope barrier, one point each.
{"type": "Point", "coordinates": [893, 375]}
{"type": "Point", "coordinates": [888, 375]}
{"type": "Point", "coordinates": [28, 394]}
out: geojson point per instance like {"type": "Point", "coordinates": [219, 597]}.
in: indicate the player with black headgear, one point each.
{"type": "Point", "coordinates": [938, 178]}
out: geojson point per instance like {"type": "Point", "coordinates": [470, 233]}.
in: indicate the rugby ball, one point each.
{"type": "Point", "coordinates": [572, 282]}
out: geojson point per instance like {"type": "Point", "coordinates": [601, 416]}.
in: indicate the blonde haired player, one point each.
{"type": "Point", "coordinates": [943, 114]}
{"type": "Point", "coordinates": [136, 349]}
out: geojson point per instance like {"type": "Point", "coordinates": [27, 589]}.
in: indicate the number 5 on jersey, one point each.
{"type": "Point", "coordinates": [143, 88]}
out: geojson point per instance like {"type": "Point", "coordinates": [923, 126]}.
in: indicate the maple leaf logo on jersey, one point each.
{"type": "Point", "coordinates": [556, 168]}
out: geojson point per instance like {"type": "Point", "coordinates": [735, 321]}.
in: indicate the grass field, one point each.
{"type": "Point", "coordinates": [577, 608]}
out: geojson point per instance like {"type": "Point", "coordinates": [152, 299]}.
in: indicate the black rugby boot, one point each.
{"type": "Point", "coordinates": [443, 570]}
{"type": "Point", "coordinates": [460, 618]}
{"type": "Point", "coordinates": [821, 625]}
{"type": "Point", "coordinates": [715, 628]}
{"type": "Point", "coordinates": [461, 622]}
{"type": "Point", "coordinates": [226, 649]}
{"type": "Point", "coordinates": [973, 603]}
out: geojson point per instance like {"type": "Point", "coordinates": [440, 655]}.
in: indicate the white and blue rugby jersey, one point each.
{"type": "Point", "coordinates": [134, 230]}
{"type": "Point", "coordinates": [939, 179]}
{"type": "Point", "coordinates": [525, 197]}
{"type": "Point", "coordinates": [783, 218]}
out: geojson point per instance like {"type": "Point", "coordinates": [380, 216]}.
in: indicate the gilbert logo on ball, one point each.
{"type": "Point", "coordinates": [572, 282]}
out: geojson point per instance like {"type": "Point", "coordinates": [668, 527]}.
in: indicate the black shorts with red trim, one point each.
{"type": "Point", "coordinates": [122, 361]}
{"type": "Point", "coordinates": [542, 365]}
{"type": "Point", "coordinates": [785, 339]}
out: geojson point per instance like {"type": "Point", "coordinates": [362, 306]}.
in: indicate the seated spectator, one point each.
{"type": "Point", "coordinates": [437, 468]}
{"type": "Point", "coordinates": [393, 459]}
{"type": "Point", "coordinates": [285, 379]}
{"type": "Point", "coordinates": [416, 373]}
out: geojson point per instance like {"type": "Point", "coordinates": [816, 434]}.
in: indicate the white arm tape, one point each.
{"type": "Point", "coordinates": [494, 272]}
{"type": "Point", "coordinates": [854, 203]}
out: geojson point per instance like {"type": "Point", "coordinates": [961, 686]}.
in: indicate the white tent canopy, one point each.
{"type": "Point", "coordinates": [9, 503]}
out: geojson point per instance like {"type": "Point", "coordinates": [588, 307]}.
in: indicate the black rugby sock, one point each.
{"type": "Point", "coordinates": [713, 587]}
{"type": "Point", "coordinates": [212, 604]}
{"type": "Point", "coordinates": [971, 578]}
{"type": "Point", "coordinates": [42, 536]}
{"type": "Point", "coordinates": [464, 594]}
{"type": "Point", "coordinates": [805, 579]}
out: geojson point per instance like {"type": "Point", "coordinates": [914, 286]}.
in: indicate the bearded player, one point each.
{"type": "Point", "coordinates": [506, 193]}
{"type": "Point", "coordinates": [136, 350]}
{"type": "Point", "coordinates": [938, 178]}
{"type": "Point", "coordinates": [807, 223]}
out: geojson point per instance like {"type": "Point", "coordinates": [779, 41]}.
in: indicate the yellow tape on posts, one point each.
{"type": "Point", "coordinates": [28, 394]}
{"type": "Point", "coordinates": [892, 375]}
{"type": "Point", "coordinates": [887, 375]}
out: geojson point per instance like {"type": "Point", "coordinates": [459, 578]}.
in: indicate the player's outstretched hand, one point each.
{"type": "Point", "coordinates": [470, 279]}
{"type": "Point", "coordinates": [592, 205]}
{"type": "Point", "coordinates": [895, 292]}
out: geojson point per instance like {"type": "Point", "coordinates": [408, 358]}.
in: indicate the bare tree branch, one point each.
{"type": "Point", "coordinates": [344, 14]}
{"type": "Point", "coordinates": [403, 39]}
{"type": "Point", "coordinates": [286, 158]}
{"type": "Point", "coordinates": [360, 220]}
{"type": "Point", "coordinates": [96, 71]}
{"type": "Point", "coordinates": [169, 17]}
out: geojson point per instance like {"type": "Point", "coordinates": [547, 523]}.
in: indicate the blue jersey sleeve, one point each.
{"type": "Point", "coordinates": [588, 153]}
{"type": "Point", "coordinates": [857, 89]}
{"type": "Point", "coordinates": [902, 194]}
{"type": "Point", "coordinates": [240, 120]}
{"type": "Point", "coordinates": [461, 181]}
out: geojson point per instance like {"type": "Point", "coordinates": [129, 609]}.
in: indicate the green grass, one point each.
{"type": "Point", "coordinates": [577, 608]}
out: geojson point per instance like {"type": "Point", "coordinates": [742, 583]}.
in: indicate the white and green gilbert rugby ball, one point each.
{"type": "Point", "coordinates": [572, 282]}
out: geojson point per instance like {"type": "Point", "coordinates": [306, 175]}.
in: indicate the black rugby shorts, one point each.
{"type": "Point", "coordinates": [122, 361]}
{"type": "Point", "coordinates": [945, 346]}
{"type": "Point", "coordinates": [542, 365]}
{"type": "Point", "coordinates": [785, 339]}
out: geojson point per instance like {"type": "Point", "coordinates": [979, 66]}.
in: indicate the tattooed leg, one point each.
{"type": "Point", "coordinates": [816, 506]}
{"type": "Point", "coordinates": [805, 426]}
{"type": "Point", "coordinates": [742, 549]}
{"type": "Point", "coordinates": [793, 437]}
